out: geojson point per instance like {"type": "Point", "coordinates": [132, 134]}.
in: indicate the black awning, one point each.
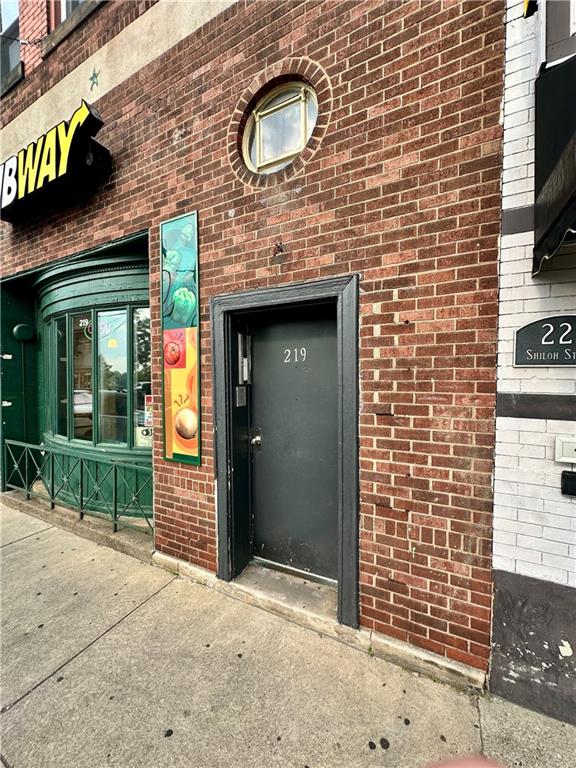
{"type": "Point", "coordinates": [555, 210]}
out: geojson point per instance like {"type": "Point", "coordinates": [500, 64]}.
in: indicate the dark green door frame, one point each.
{"type": "Point", "coordinates": [344, 292]}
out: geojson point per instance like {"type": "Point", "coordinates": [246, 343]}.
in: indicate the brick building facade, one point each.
{"type": "Point", "coordinates": [398, 191]}
{"type": "Point", "coordinates": [534, 512]}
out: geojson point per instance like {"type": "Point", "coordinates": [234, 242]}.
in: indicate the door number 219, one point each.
{"type": "Point", "coordinates": [295, 355]}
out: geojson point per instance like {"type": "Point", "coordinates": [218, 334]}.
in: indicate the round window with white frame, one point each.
{"type": "Point", "coordinates": [279, 127]}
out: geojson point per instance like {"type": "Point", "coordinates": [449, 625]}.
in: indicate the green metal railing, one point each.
{"type": "Point", "coordinates": [114, 490]}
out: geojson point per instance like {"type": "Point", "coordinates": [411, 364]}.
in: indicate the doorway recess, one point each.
{"type": "Point", "coordinates": [236, 439]}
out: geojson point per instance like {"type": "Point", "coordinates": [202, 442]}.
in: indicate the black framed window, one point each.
{"type": "Point", "coordinates": [100, 376]}
{"type": "Point", "coordinates": [560, 20]}
{"type": "Point", "coordinates": [10, 31]}
{"type": "Point", "coordinates": [60, 10]}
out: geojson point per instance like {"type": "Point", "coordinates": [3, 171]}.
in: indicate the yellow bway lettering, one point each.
{"type": "Point", "coordinates": [48, 164]}
{"type": "Point", "coordinates": [47, 158]}
{"type": "Point", "coordinates": [66, 135]}
{"type": "Point", "coordinates": [28, 165]}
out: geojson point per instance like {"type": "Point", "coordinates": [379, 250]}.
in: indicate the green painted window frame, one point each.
{"type": "Point", "coordinates": [51, 367]}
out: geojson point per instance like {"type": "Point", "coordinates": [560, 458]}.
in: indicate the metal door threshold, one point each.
{"type": "Point", "coordinates": [294, 571]}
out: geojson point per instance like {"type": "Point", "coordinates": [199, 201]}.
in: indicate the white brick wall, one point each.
{"type": "Point", "coordinates": [534, 524]}
{"type": "Point", "coordinates": [520, 70]}
{"type": "Point", "coordinates": [524, 299]}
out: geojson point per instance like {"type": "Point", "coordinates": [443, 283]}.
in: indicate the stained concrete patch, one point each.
{"type": "Point", "coordinates": [197, 678]}
{"type": "Point", "coordinates": [59, 593]}
{"type": "Point", "coordinates": [15, 526]}
{"type": "Point", "coordinates": [533, 661]}
{"type": "Point", "coordinates": [518, 737]}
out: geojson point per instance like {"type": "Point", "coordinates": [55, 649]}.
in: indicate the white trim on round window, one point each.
{"type": "Point", "coordinates": [279, 127]}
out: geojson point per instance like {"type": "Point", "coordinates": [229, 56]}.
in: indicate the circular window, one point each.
{"type": "Point", "coordinates": [279, 127]}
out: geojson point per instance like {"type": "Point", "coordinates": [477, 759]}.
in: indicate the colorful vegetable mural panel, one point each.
{"type": "Point", "coordinates": [180, 340]}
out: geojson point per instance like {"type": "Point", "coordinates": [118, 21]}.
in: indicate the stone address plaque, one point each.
{"type": "Point", "coordinates": [550, 342]}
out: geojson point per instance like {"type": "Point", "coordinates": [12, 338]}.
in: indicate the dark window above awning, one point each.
{"type": "Point", "coordinates": [555, 210]}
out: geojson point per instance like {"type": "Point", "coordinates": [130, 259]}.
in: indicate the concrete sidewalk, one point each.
{"type": "Point", "coordinates": [108, 661]}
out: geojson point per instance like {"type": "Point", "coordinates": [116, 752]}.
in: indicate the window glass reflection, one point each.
{"type": "Point", "coordinates": [279, 128]}
{"type": "Point", "coordinates": [82, 375]}
{"type": "Point", "coordinates": [9, 42]}
{"type": "Point", "coordinates": [112, 376]}
{"type": "Point", "coordinates": [142, 379]}
{"type": "Point", "coordinates": [287, 93]}
{"type": "Point", "coordinates": [312, 116]}
{"type": "Point", "coordinates": [67, 7]}
{"type": "Point", "coordinates": [61, 377]}
{"type": "Point", "coordinates": [281, 132]}
{"type": "Point", "coordinates": [252, 148]}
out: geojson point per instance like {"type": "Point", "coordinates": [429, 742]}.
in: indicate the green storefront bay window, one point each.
{"type": "Point", "coordinates": [101, 376]}
{"type": "Point", "coordinates": [94, 383]}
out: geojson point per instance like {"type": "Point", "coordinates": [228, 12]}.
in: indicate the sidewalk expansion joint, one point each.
{"type": "Point", "coordinates": [481, 730]}
{"type": "Point", "coordinates": [12, 704]}
{"type": "Point", "coordinates": [29, 536]}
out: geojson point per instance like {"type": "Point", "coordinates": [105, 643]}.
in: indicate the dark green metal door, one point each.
{"type": "Point", "coordinates": [294, 430]}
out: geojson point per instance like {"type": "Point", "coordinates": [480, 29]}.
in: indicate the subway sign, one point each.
{"type": "Point", "coordinates": [61, 165]}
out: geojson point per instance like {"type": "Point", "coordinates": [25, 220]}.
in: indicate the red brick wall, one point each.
{"type": "Point", "coordinates": [33, 23]}
{"type": "Point", "coordinates": [83, 41]}
{"type": "Point", "coordinates": [404, 189]}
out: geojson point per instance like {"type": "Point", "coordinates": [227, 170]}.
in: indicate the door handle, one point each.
{"type": "Point", "coordinates": [256, 441]}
